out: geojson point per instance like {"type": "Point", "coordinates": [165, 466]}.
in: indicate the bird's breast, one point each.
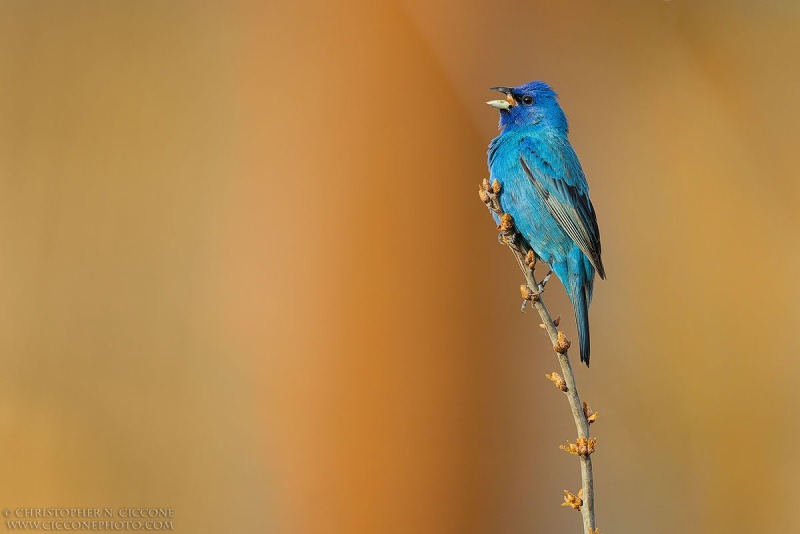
{"type": "Point", "coordinates": [519, 198]}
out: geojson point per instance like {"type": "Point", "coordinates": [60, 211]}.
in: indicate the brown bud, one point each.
{"type": "Point", "coordinates": [569, 447]}
{"type": "Point", "coordinates": [557, 320]}
{"type": "Point", "coordinates": [530, 259]}
{"type": "Point", "coordinates": [591, 416]}
{"type": "Point", "coordinates": [562, 344]}
{"type": "Point", "coordinates": [556, 379]}
{"type": "Point", "coordinates": [496, 187]}
{"type": "Point", "coordinates": [586, 446]}
{"type": "Point", "coordinates": [527, 294]}
{"type": "Point", "coordinates": [583, 447]}
{"type": "Point", "coordinates": [485, 184]}
{"type": "Point", "coordinates": [484, 196]}
{"type": "Point", "coordinates": [506, 222]}
{"type": "Point", "coordinates": [573, 501]}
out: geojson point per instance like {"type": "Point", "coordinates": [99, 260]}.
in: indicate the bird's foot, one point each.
{"type": "Point", "coordinates": [545, 280]}
{"type": "Point", "coordinates": [528, 295]}
{"type": "Point", "coordinates": [508, 233]}
{"type": "Point", "coordinates": [504, 237]}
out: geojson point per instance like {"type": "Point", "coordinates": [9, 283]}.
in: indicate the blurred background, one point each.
{"type": "Point", "coordinates": [245, 273]}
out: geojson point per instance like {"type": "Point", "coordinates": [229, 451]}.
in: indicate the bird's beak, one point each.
{"type": "Point", "coordinates": [503, 104]}
{"type": "Point", "coordinates": [500, 104]}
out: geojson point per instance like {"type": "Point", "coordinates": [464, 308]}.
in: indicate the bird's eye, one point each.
{"type": "Point", "coordinates": [527, 100]}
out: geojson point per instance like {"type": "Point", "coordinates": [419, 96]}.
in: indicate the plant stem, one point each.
{"type": "Point", "coordinates": [511, 238]}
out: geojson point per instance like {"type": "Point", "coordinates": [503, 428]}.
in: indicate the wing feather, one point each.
{"type": "Point", "coordinates": [562, 187]}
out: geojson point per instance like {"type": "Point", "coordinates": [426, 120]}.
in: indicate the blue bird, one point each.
{"type": "Point", "coordinates": [545, 190]}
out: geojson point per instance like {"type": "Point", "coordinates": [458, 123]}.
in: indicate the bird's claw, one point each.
{"type": "Point", "coordinates": [545, 280]}
{"type": "Point", "coordinates": [506, 237]}
{"type": "Point", "coordinates": [529, 295]}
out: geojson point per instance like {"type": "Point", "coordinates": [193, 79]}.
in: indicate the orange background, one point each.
{"type": "Point", "coordinates": [245, 272]}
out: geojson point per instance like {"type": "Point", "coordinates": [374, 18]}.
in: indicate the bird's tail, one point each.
{"type": "Point", "coordinates": [580, 302]}
{"type": "Point", "coordinates": [577, 275]}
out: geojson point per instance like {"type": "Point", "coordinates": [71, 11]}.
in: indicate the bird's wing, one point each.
{"type": "Point", "coordinates": [555, 172]}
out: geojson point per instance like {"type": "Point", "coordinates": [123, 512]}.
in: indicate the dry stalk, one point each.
{"type": "Point", "coordinates": [581, 413]}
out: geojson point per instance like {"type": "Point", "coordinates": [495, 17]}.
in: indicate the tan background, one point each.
{"type": "Point", "coordinates": [244, 272]}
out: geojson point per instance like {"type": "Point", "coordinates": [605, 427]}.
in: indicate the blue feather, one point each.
{"type": "Point", "coordinates": [545, 190]}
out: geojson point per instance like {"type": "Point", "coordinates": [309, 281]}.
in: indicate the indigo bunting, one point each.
{"type": "Point", "coordinates": [545, 191]}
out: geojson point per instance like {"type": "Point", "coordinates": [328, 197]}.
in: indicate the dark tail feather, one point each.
{"type": "Point", "coordinates": [581, 304]}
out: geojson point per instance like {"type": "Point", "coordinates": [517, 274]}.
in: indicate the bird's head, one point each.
{"type": "Point", "coordinates": [529, 104]}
